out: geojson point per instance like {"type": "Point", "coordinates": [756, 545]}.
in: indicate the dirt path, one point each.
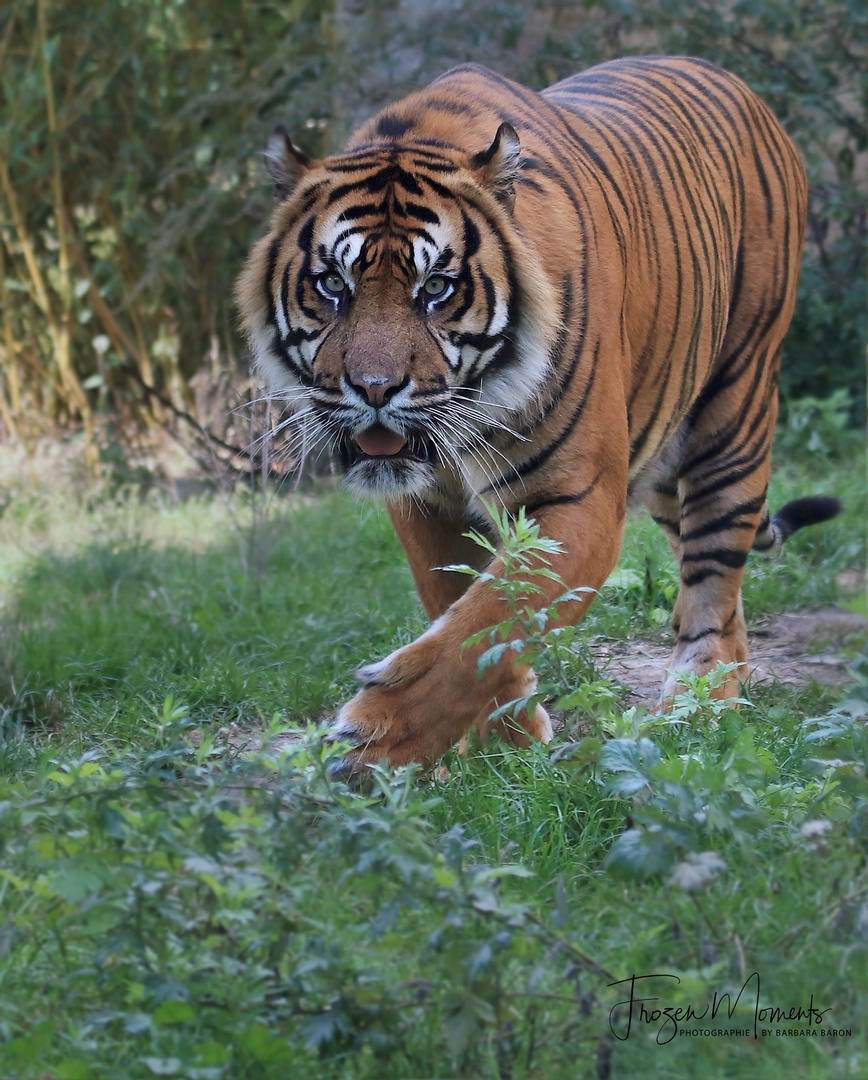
{"type": "Point", "coordinates": [795, 649]}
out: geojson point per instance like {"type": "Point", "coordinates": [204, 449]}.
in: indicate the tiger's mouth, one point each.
{"type": "Point", "coordinates": [379, 445]}
{"type": "Point", "coordinates": [378, 441]}
{"type": "Point", "coordinates": [381, 461]}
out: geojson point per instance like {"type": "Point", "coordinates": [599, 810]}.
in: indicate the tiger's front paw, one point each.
{"type": "Point", "coordinates": [381, 726]}
{"type": "Point", "coordinates": [421, 700]}
{"type": "Point", "coordinates": [410, 709]}
{"type": "Point", "coordinates": [519, 731]}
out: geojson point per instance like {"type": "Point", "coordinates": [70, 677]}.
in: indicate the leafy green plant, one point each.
{"type": "Point", "coordinates": [683, 799]}
{"type": "Point", "coordinates": [678, 799]}
{"type": "Point", "coordinates": [184, 899]}
{"type": "Point", "coordinates": [708, 782]}
{"type": "Point", "coordinates": [839, 741]}
{"type": "Point", "coordinates": [818, 427]}
{"type": "Point", "coordinates": [533, 634]}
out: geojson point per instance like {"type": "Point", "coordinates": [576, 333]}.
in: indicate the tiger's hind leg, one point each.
{"type": "Point", "coordinates": [663, 505]}
{"type": "Point", "coordinates": [722, 487]}
{"type": "Point", "coordinates": [696, 651]}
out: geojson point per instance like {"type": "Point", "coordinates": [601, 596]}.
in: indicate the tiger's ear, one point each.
{"type": "Point", "coordinates": [498, 166]}
{"type": "Point", "coordinates": [286, 164]}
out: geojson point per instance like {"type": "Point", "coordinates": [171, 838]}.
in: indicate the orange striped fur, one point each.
{"type": "Point", "coordinates": [569, 301]}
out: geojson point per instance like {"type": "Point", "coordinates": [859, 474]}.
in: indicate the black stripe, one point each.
{"type": "Point", "coordinates": [734, 560]}
{"type": "Point", "coordinates": [727, 520]}
{"type": "Point", "coordinates": [423, 213]}
{"type": "Point", "coordinates": [561, 500]}
{"type": "Point", "coordinates": [353, 213]}
{"type": "Point", "coordinates": [518, 472]}
{"type": "Point", "coordinates": [688, 639]}
{"type": "Point", "coordinates": [698, 576]}
{"type": "Point", "coordinates": [472, 238]}
{"type": "Point", "coordinates": [667, 523]}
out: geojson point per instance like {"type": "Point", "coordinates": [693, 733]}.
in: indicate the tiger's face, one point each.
{"type": "Point", "coordinates": [396, 309]}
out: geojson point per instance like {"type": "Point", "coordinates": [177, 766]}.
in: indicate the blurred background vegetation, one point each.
{"type": "Point", "coordinates": [131, 189]}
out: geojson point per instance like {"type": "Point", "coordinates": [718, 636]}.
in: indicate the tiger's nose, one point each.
{"type": "Point", "coordinates": [376, 390]}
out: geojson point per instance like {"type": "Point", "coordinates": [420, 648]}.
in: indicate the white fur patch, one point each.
{"type": "Point", "coordinates": [347, 251]}
{"type": "Point", "coordinates": [424, 252]}
{"type": "Point", "coordinates": [280, 315]}
{"type": "Point", "coordinates": [377, 477]}
{"type": "Point", "coordinates": [499, 316]}
{"type": "Point", "coordinates": [452, 353]}
{"type": "Point", "coordinates": [517, 385]}
{"type": "Point", "coordinates": [274, 371]}
{"type": "Point", "coordinates": [522, 384]}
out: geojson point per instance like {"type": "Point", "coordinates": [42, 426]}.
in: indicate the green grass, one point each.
{"type": "Point", "coordinates": [172, 905]}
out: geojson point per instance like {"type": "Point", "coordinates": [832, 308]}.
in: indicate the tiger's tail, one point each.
{"type": "Point", "coordinates": [811, 510]}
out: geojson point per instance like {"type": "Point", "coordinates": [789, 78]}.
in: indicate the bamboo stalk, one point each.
{"type": "Point", "coordinates": [8, 407]}
{"type": "Point", "coordinates": [152, 411]}
{"type": "Point", "coordinates": [40, 290]}
{"type": "Point", "coordinates": [76, 397]}
{"type": "Point", "coordinates": [7, 412]}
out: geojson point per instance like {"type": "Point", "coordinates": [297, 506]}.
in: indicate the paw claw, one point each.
{"type": "Point", "coordinates": [343, 731]}
{"type": "Point", "coordinates": [344, 771]}
{"type": "Point", "coordinates": [368, 675]}
{"type": "Point", "coordinates": [374, 674]}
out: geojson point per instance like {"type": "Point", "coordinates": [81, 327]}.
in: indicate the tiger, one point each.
{"type": "Point", "coordinates": [569, 301]}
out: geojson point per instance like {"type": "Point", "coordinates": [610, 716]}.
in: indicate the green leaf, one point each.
{"type": "Point", "coordinates": [322, 1029]}
{"type": "Point", "coordinates": [697, 870]}
{"type": "Point", "coordinates": [212, 1053]}
{"type": "Point", "coordinates": [578, 755]}
{"type": "Point", "coordinates": [625, 577]}
{"type": "Point", "coordinates": [464, 1019]}
{"type": "Point", "coordinates": [163, 1066]}
{"type": "Point", "coordinates": [73, 1070]}
{"type": "Point", "coordinates": [32, 1047]}
{"type": "Point", "coordinates": [77, 880]}
{"type": "Point", "coordinates": [633, 761]}
{"type": "Point", "coordinates": [264, 1045]}
{"type": "Point", "coordinates": [137, 1023]}
{"type": "Point", "coordinates": [496, 873]}
{"type": "Point", "coordinates": [480, 960]}
{"type": "Point", "coordinates": [174, 1012]}
{"type": "Point", "coordinates": [492, 656]}
{"type": "Point", "coordinates": [641, 853]}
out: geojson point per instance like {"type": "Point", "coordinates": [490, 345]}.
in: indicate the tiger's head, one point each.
{"type": "Point", "coordinates": [397, 307]}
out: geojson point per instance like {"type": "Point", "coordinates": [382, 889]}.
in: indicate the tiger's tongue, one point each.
{"type": "Point", "coordinates": [379, 441]}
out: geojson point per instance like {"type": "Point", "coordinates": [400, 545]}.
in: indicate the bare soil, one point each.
{"type": "Point", "coordinates": [794, 649]}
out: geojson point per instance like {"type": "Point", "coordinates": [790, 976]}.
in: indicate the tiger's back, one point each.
{"type": "Point", "coordinates": [559, 301]}
{"type": "Point", "coordinates": [713, 200]}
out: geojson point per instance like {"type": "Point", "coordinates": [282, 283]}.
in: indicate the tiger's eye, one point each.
{"type": "Point", "coordinates": [436, 286]}
{"type": "Point", "coordinates": [333, 283]}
